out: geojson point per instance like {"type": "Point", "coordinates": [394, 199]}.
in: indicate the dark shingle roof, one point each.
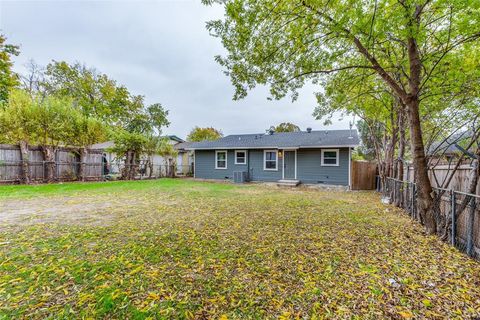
{"type": "Point", "coordinates": [321, 138]}
{"type": "Point", "coordinates": [182, 145]}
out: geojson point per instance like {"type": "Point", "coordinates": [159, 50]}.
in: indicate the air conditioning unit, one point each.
{"type": "Point", "coordinates": [240, 176]}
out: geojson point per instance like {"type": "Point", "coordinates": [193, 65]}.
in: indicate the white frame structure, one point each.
{"type": "Point", "coordinates": [323, 164]}
{"type": "Point", "coordinates": [241, 163]}
{"type": "Point", "coordinates": [265, 160]}
{"type": "Point", "coordinates": [283, 163]}
{"type": "Point", "coordinates": [216, 159]}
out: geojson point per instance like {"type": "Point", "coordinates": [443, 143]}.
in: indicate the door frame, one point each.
{"type": "Point", "coordinates": [283, 163]}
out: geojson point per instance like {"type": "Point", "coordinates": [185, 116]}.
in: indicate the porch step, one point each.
{"type": "Point", "coordinates": [288, 183]}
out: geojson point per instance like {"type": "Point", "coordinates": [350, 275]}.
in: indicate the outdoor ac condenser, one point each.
{"type": "Point", "coordinates": [239, 176]}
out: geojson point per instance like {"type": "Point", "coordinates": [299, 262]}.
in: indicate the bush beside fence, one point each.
{"type": "Point", "coordinates": [456, 213]}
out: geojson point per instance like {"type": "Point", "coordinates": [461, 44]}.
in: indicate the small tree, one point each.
{"type": "Point", "coordinates": [88, 131]}
{"type": "Point", "coordinates": [53, 119]}
{"type": "Point", "coordinates": [166, 150]}
{"type": "Point", "coordinates": [17, 125]}
{"type": "Point", "coordinates": [201, 134]}
{"type": "Point", "coordinates": [130, 145]}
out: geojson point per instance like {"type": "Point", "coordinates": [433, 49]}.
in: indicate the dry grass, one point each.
{"type": "Point", "coordinates": [182, 249]}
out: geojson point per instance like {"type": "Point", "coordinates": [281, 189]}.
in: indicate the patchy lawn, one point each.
{"type": "Point", "coordinates": [183, 249]}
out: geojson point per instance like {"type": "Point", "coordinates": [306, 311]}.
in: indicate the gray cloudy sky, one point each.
{"type": "Point", "coordinates": [159, 49]}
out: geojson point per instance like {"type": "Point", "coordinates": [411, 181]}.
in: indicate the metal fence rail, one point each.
{"type": "Point", "coordinates": [11, 171]}
{"type": "Point", "coordinates": [456, 213]}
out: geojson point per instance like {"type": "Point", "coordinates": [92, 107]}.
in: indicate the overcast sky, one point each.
{"type": "Point", "coordinates": [159, 49]}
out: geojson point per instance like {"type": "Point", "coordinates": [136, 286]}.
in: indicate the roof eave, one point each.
{"type": "Point", "coordinates": [276, 147]}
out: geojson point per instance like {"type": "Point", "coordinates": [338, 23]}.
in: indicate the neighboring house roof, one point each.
{"type": "Point", "coordinates": [448, 147]}
{"type": "Point", "coordinates": [302, 139]}
{"type": "Point", "coordinates": [182, 145]}
{"type": "Point", "coordinates": [108, 144]}
{"type": "Point", "coordinates": [175, 138]}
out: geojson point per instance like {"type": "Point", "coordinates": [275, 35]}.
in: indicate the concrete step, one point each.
{"type": "Point", "coordinates": [288, 183]}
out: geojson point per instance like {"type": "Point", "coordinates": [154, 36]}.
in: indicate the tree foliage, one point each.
{"type": "Point", "coordinates": [202, 134]}
{"type": "Point", "coordinates": [94, 93]}
{"type": "Point", "coordinates": [17, 119]}
{"type": "Point", "coordinates": [413, 49]}
{"type": "Point", "coordinates": [287, 127]}
{"type": "Point", "coordinates": [8, 78]}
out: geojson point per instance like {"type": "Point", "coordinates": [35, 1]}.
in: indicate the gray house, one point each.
{"type": "Point", "coordinates": [310, 157]}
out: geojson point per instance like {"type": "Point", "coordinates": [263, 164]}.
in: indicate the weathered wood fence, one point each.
{"type": "Point", "coordinates": [364, 175]}
{"type": "Point", "coordinates": [439, 175]}
{"type": "Point", "coordinates": [66, 160]}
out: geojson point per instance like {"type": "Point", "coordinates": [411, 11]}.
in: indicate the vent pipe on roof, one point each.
{"type": "Point", "coordinates": [309, 129]}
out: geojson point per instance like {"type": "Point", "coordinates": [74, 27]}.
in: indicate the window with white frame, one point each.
{"type": "Point", "coordinates": [240, 157]}
{"type": "Point", "coordinates": [329, 157]}
{"type": "Point", "coordinates": [220, 159]}
{"type": "Point", "coordinates": [270, 160]}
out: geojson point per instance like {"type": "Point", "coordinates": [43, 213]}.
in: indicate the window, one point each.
{"type": "Point", "coordinates": [270, 160]}
{"type": "Point", "coordinates": [240, 157]}
{"type": "Point", "coordinates": [330, 157]}
{"type": "Point", "coordinates": [220, 159]}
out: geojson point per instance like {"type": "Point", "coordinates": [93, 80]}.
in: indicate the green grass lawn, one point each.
{"type": "Point", "coordinates": [174, 249]}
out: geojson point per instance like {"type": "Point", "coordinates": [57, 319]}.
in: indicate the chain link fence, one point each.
{"type": "Point", "coordinates": [456, 212]}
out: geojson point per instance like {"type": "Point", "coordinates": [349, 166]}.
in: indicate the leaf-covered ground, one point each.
{"type": "Point", "coordinates": [178, 249]}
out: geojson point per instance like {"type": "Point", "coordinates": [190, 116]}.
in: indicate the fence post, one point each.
{"type": "Point", "coordinates": [471, 216]}
{"type": "Point", "coordinates": [453, 207]}
{"type": "Point", "coordinates": [414, 209]}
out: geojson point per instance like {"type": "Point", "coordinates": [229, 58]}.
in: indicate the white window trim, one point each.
{"type": "Point", "coordinates": [265, 160]}
{"type": "Point", "coordinates": [240, 163]}
{"type": "Point", "coordinates": [327, 164]}
{"type": "Point", "coordinates": [216, 159]}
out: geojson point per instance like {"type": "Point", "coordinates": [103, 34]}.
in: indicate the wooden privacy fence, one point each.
{"type": "Point", "coordinates": [439, 174]}
{"type": "Point", "coordinates": [66, 164]}
{"type": "Point", "coordinates": [364, 175]}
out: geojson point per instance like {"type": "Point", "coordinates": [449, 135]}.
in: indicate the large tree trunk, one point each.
{"type": "Point", "coordinates": [49, 163]}
{"type": "Point", "coordinates": [126, 169]}
{"type": "Point", "coordinates": [25, 158]}
{"type": "Point", "coordinates": [150, 167]}
{"type": "Point", "coordinates": [82, 168]}
{"type": "Point", "coordinates": [133, 166]}
{"type": "Point", "coordinates": [424, 187]}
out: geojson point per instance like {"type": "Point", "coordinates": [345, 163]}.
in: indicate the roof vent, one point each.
{"type": "Point", "coordinates": [309, 129]}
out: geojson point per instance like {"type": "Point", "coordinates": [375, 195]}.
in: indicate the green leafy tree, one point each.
{"type": "Point", "coordinates": [158, 117]}
{"type": "Point", "coordinates": [94, 93]}
{"type": "Point", "coordinates": [17, 125]}
{"type": "Point", "coordinates": [201, 134]}
{"type": "Point", "coordinates": [409, 45]}
{"type": "Point", "coordinates": [129, 145]}
{"type": "Point", "coordinates": [287, 127]}
{"type": "Point", "coordinates": [54, 122]}
{"type": "Point", "coordinates": [87, 131]}
{"type": "Point", "coordinates": [167, 151]}
{"type": "Point", "coordinates": [8, 78]}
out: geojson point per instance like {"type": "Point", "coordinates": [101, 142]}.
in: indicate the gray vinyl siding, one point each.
{"type": "Point", "coordinates": [205, 165]}
{"type": "Point", "coordinates": [311, 171]}
{"type": "Point", "coordinates": [256, 168]}
{"type": "Point", "coordinates": [309, 168]}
